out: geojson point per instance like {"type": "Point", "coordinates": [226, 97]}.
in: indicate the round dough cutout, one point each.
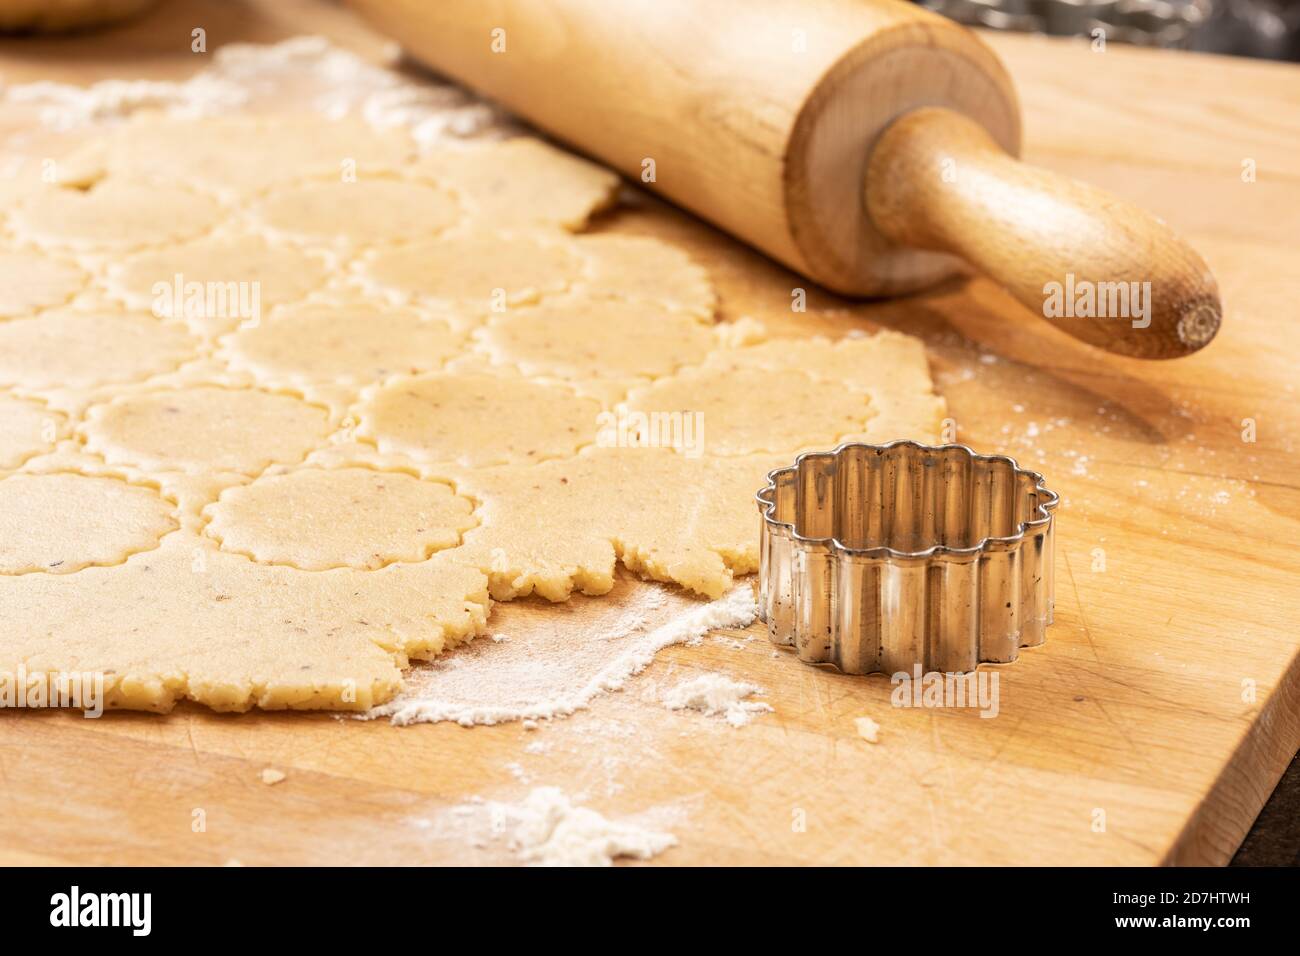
{"type": "Point", "coordinates": [293, 519]}
{"type": "Point", "coordinates": [206, 429]}
{"type": "Point", "coordinates": [63, 522]}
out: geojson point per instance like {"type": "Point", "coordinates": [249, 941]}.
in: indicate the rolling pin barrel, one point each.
{"type": "Point", "coordinates": [867, 144]}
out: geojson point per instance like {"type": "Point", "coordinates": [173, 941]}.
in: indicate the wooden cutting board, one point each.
{"type": "Point", "coordinates": [1165, 703]}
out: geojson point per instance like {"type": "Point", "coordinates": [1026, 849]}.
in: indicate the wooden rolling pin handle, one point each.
{"type": "Point", "coordinates": [1099, 268]}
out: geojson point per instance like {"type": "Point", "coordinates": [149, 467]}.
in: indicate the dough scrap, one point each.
{"type": "Point", "coordinates": [573, 337]}
{"type": "Point", "coordinates": [205, 429]}
{"type": "Point", "coordinates": [366, 211]}
{"type": "Point", "coordinates": [26, 430]}
{"type": "Point", "coordinates": [29, 282]}
{"type": "Point", "coordinates": [752, 410]}
{"type": "Point", "coordinates": [115, 214]}
{"type": "Point", "coordinates": [561, 525]}
{"type": "Point", "coordinates": [69, 348]}
{"type": "Point", "coordinates": [63, 522]}
{"type": "Point", "coordinates": [481, 273]}
{"type": "Point", "coordinates": [293, 519]}
{"type": "Point", "coordinates": [523, 182]}
{"type": "Point", "coordinates": [474, 420]}
{"type": "Point", "coordinates": [344, 343]}
{"type": "Point", "coordinates": [283, 274]}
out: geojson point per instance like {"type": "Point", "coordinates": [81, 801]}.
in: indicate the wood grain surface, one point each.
{"type": "Point", "coordinates": [1167, 696]}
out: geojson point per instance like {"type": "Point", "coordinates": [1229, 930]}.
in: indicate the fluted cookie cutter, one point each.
{"type": "Point", "coordinates": [883, 557]}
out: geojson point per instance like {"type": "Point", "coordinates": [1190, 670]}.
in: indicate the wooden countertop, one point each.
{"type": "Point", "coordinates": [1167, 696]}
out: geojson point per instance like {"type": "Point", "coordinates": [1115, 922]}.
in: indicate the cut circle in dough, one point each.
{"type": "Point", "coordinates": [523, 182]}
{"type": "Point", "coordinates": [115, 214]}
{"type": "Point", "coordinates": [480, 274]}
{"type": "Point", "coordinates": [26, 430]}
{"type": "Point", "coordinates": [239, 155]}
{"type": "Point", "coordinates": [30, 281]}
{"type": "Point", "coordinates": [62, 522]}
{"type": "Point", "coordinates": [70, 348]}
{"type": "Point", "coordinates": [888, 366]}
{"type": "Point", "coordinates": [280, 274]}
{"type": "Point", "coordinates": [205, 429]}
{"type": "Point", "coordinates": [478, 420]}
{"type": "Point", "coordinates": [364, 211]}
{"type": "Point", "coordinates": [573, 337]}
{"type": "Point", "coordinates": [341, 343]}
{"type": "Point", "coordinates": [293, 519]}
{"type": "Point", "coordinates": [748, 411]}
{"type": "Point", "coordinates": [637, 267]}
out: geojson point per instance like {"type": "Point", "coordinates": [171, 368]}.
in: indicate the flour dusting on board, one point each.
{"type": "Point", "coordinates": [251, 78]}
{"type": "Point", "coordinates": [716, 695]}
{"type": "Point", "coordinates": [547, 828]}
{"type": "Point", "coordinates": [565, 661]}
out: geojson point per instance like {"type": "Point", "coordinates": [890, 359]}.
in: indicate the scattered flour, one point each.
{"type": "Point", "coordinates": [548, 829]}
{"type": "Point", "coordinates": [717, 694]}
{"type": "Point", "coordinates": [246, 77]}
{"type": "Point", "coordinates": [272, 776]}
{"type": "Point", "coordinates": [556, 666]}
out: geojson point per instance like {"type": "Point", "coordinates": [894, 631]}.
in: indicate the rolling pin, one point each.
{"type": "Point", "coordinates": [868, 145]}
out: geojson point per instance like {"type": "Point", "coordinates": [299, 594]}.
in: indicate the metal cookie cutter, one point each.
{"type": "Point", "coordinates": [882, 557]}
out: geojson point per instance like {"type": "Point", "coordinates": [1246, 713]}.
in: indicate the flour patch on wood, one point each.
{"type": "Point", "coordinates": [553, 667]}
{"type": "Point", "coordinates": [550, 828]}
{"type": "Point", "coordinates": [717, 695]}
{"type": "Point", "coordinates": [252, 78]}
{"type": "Point", "coordinates": [867, 729]}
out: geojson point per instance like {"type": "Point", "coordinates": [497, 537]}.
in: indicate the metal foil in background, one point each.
{"type": "Point", "coordinates": [1260, 28]}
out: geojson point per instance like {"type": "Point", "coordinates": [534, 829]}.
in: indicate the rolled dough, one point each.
{"type": "Point", "coordinates": [31, 281]}
{"type": "Point", "coordinates": [80, 348]}
{"type": "Point", "coordinates": [366, 211]}
{"type": "Point", "coordinates": [473, 274]}
{"type": "Point", "coordinates": [27, 429]}
{"type": "Point", "coordinates": [117, 214]}
{"type": "Point", "coordinates": [290, 519]}
{"type": "Point", "coordinates": [283, 273]}
{"type": "Point", "coordinates": [472, 420]}
{"type": "Point", "coordinates": [580, 337]}
{"type": "Point", "coordinates": [442, 402]}
{"type": "Point", "coordinates": [350, 343]}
